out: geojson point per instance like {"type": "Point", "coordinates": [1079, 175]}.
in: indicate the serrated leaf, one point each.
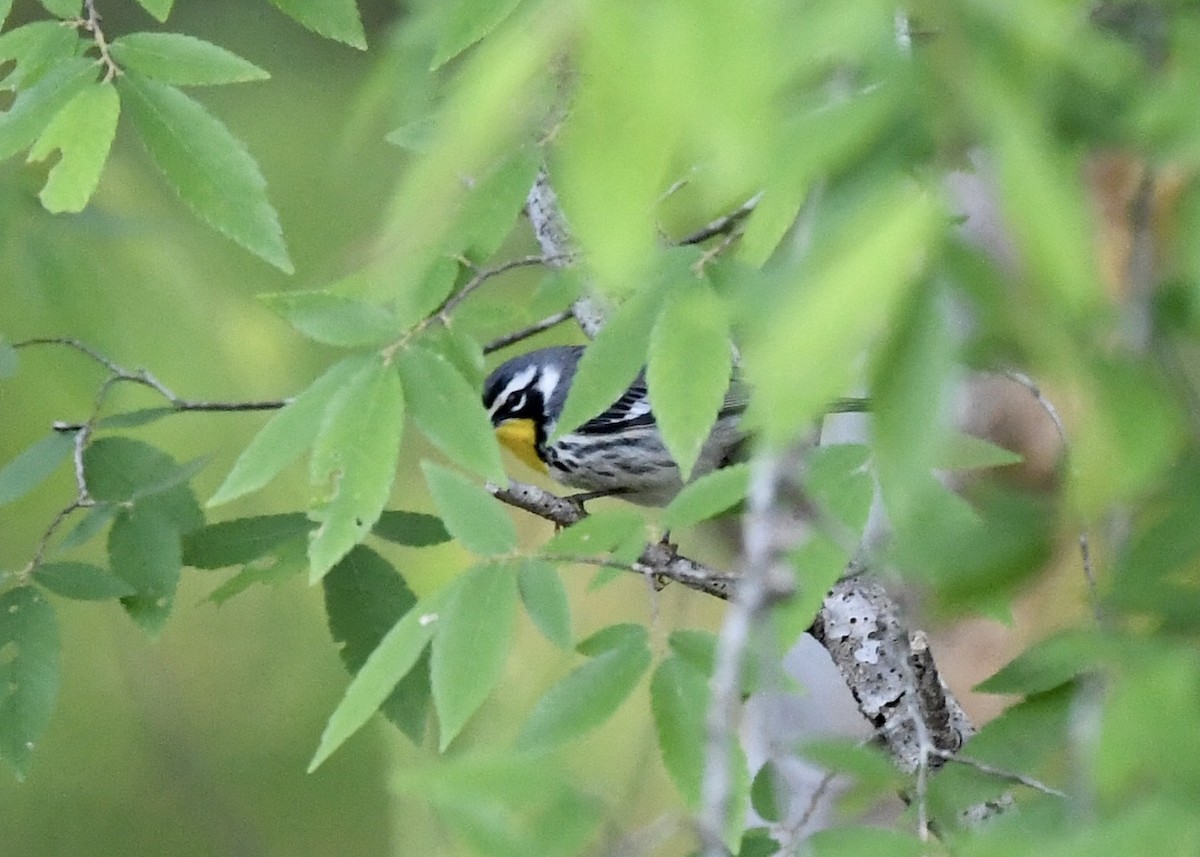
{"type": "Point", "coordinates": [35, 48]}
{"type": "Point", "coordinates": [585, 698]}
{"type": "Point", "coordinates": [411, 529]}
{"type": "Point", "coordinates": [596, 534]}
{"type": "Point", "coordinates": [182, 60]}
{"type": "Point", "coordinates": [28, 673]}
{"type": "Point", "coordinates": [34, 107]}
{"type": "Point", "coordinates": [81, 581]}
{"type": "Point", "coordinates": [545, 600]}
{"type": "Point", "coordinates": [354, 463]}
{"type": "Point", "coordinates": [9, 363]}
{"type": "Point", "coordinates": [82, 132]}
{"type": "Point", "coordinates": [448, 411]}
{"type": "Point", "coordinates": [333, 19]}
{"type": "Point", "coordinates": [285, 562]}
{"type": "Point", "coordinates": [160, 9]}
{"type": "Point", "coordinates": [465, 22]}
{"type": "Point", "coordinates": [390, 661]}
{"type": "Point", "coordinates": [690, 363]}
{"type": "Point", "coordinates": [364, 598]}
{"type": "Point", "coordinates": [471, 645]}
{"type": "Point", "coordinates": [144, 551]}
{"type": "Point", "coordinates": [707, 496]}
{"type": "Point", "coordinates": [287, 434]}
{"type": "Point", "coordinates": [63, 8]}
{"type": "Point", "coordinates": [241, 540]}
{"type": "Point", "coordinates": [470, 514]}
{"type": "Point", "coordinates": [334, 319]}
{"type": "Point", "coordinates": [967, 452]}
{"type": "Point", "coordinates": [679, 702]}
{"type": "Point", "coordinates": [32, 467]}
{"type": "Point", "coordinates": [611, 362]}
{"type": "Point", "coordinates": [207, 166]}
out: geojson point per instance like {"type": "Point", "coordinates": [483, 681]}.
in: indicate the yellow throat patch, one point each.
{"type": "Point", "coordinates": [520, 437]}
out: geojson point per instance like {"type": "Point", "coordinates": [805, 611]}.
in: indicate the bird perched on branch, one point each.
{"type": "Point", "coordinates": [618, 452]}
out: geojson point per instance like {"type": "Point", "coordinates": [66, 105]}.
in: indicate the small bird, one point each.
{"type": "Point", "coordinates": [620, 452]}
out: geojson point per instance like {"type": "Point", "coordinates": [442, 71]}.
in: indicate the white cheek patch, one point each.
{"type": "Point", "coordinates": [519, 382]}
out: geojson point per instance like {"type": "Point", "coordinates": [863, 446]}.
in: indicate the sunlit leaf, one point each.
{"type": "Point", "coordinates": [389, 662]}
{"type": "Point", "coordinates": [597, 534]}
{"type": "Point", "coordinates": [838, 478]}
{"type": "Point", "coordinates": [679, 698]}
{"type": "Point", "coordinates": [471, 515]}
{"type": "Point", "coordinates": [967, 452]}
{"type": "Point", "coordinates": [82, 132]}
{"type": "Point", "coordinates": [354, 462]}
{"type": "Point", "coordinates": [35, 48]}
{"type": "Point", "coordinates": [334, 319]}
{"type": "Point", "coordinates": [207, 166]}
{"type": "Point", "coordinates": [364, 598]}
{"type": "Point", "coordinates": [81, 581]}
{"type": "Point", "coordinates": [690, 361]}
{"type": "Point", "coordinates": [34, 107]}
{"type": "Point", "coordinates": [334, 19]}
{"type": "Point", "coordinates": [447, 409]}
{"type": "Point", "coordinates": [471, 645]}
{"type": "Point", "coordinates": [707, 496]}
{"type": "Point", "coordinates": [182, 60]}
{"type": "Point", "coordinates": [586, 697]}
{"type": "Point", "coordinates": [32, 467]}
{"type": "Point", "coordinates": [286, 435]}
{"type": "Point", "coordinates": [28, 673]}
{"type": "Point", "coordinates": [847, 841]}
{"type": "Point", "coordinates": [465, 22]}
{"type": "Point", "coordinates": [622, 635]}
{"type": "Point", "coordinates": [545, 600]}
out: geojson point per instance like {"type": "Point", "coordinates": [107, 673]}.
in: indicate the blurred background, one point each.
{"type": "Point", "coordinates": [196, 743]}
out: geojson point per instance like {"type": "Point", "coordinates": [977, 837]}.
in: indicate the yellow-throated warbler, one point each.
{"type": "Point", "coordinates": [618, 452]}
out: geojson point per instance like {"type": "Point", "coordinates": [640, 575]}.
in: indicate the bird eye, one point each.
{"type": "Point", "coordinates": [518, 402]}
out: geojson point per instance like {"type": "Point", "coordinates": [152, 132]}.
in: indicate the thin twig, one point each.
{"type": "Point", "coordinates": [92, 24]}
{"type": "Point", "coordinates": [722, 225]}
{"type": "Point", "coordinates": [1000, 773]}
{"type": "Point", "coordinates": [526, 332]}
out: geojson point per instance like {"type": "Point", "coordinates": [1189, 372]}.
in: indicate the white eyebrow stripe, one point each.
{"type": "Point", "coordinates": [519, 382]}
{"type": "Point", "coordinates": [548, 382]}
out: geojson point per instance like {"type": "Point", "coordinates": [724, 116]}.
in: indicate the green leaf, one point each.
{"type": "Point", "coordinates": [838, 478]}
{"type": "Point", "coordinates": [622, 635]}
{"type": "Point", "coordinates": [81, 581]}
{"type": "Point", "coordinates": [585, 698]}
{"type": "Point", "coordinates": [545, 600]}
{"type": "Point", "coordinates": [144, 552]}
{"type": "Point", "coordinates": [94, 521]}
{"type": "Point", "coordinates": [707, 496]}
{"type": "Point", "coordinates": [124, 471]}
{"type": "Point", "coordinates": [411, 529]}
{"type": "Point", "coordinates": [1050, 663]}
{"type": "Point", "coordinates": [679, 702]}
{"type": "Point", "coordinates": [470, 514]}
{"type": "Point", "coordinates": [611, 362]}
{"type": "Point", "coordinates": [34, 107]}
{"type": "Point", "coordinates": [5, 8]}
{"type": "Point", "coordinates": [354, 463]}
{"type": "Point", "coordinates": [9, 362]}
{"type": "Point", "coordinates": [160, 9]}
{"type": "Point", "coordinates": [241, 540]}
{"type": "Point", "coordinates": [135, 419]}
{"type": "Point", "coordinates": [333, 19]}
{"type": "Point", "coordinates": [597, 534]}
{"type": "Point", "coordinates": [28, 673]}
{"type": "Point", "coordinates": [35, 48]}
{"type": "Point", "coordinates": [182, 60]}
{"type": "Point", "coordinates": [32, 467]}
{"type": "Point", "coordinates": [849, 841]}
{"type": "Point", "coordinates": [448, 411]}
{"type": "Point", "coordinates": [967, 452]}
{"type": "Point", "coordinates": [391, 661]}
{"type": "Point", "coordinates": [689, 371]}
{"type": "Point", "coordinates": [286, 435]}
{"type": "Point", "coordinates": [364, 598]}
{"type": "Point", "coordinates": [209, 168]}
{"type": "Point", "coordinates": [334, 319]}
{"type": "Point", "coordinates": [83, 132]}
{"type": "Point", "coordinates": [764, 795]}
{"type": "Point", "coordinates": [63, 8]}
{"type": "Point", "coordinates": [467, 21]}
{"type": "Point", "coordinates": [287, 561]}
{"type": "Point", "coordinates": [474, 634]}
{"type": "Point", "coordinates": [698, 648]}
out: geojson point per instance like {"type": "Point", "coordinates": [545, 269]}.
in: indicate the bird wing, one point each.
{"type": "Point", "coordinates": [633, 410]}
